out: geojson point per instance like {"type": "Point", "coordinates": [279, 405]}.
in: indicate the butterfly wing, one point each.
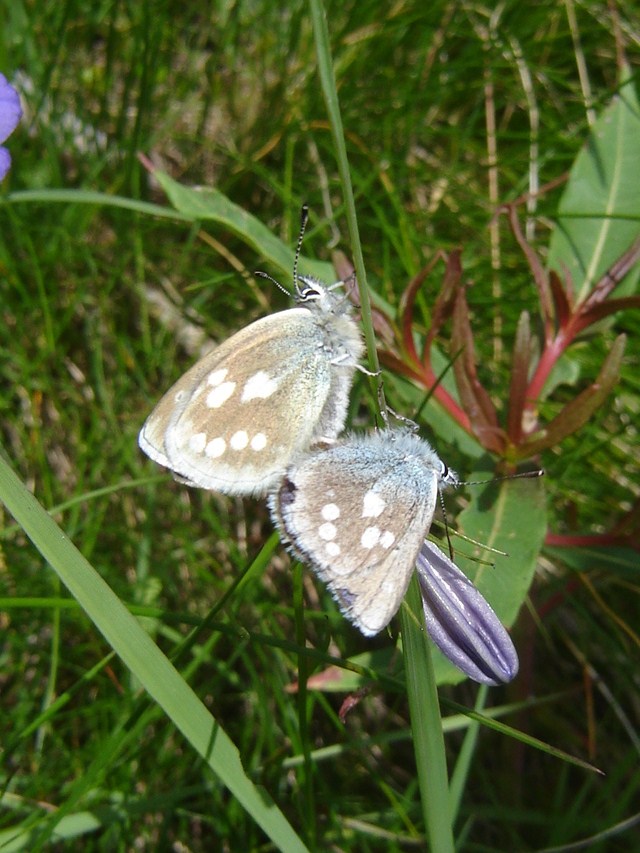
{"type": "Point", "coordinates": [153, 432]}
{"type": "Point", "coordinates": [239, 416]}
{"type": "Point", "coordinates": [358, 514]}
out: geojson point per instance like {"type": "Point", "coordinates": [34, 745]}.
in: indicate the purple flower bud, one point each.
{"type": "Point", "coordinates": [460, 621]}
{"type": "Point", "coordinates": [10, 115]}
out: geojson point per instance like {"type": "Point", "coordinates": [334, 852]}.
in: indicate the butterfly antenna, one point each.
{"type": "Point", "coordinates": [522, 475]}
{"type": "Point", "coordinates": [270, 278]}
{"type": "Point", "coordinates": [446, 523]}
{"type": "Point", "coordinates": [304, 218]}
{"type": "Point", "coordinates": [519, 476]}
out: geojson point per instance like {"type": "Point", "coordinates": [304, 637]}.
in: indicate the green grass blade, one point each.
{"type": "Point", "coordinates": [154, 671]}
{"type": "Point", "coordinates": [330, 92]}
{"type": "Point", "coordinates": [63, 196]}
{"type": "Point", "coordinates": [209, 204]}
{"type": "Point", "coordinates": [426, 724]}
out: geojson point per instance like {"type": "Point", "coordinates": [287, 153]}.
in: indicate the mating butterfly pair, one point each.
{"type": "Point", "coordinates": [244, 421]}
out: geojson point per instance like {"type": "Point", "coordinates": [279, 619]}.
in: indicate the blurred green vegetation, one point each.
{"type": "Point", "coordinates": [450, 109]}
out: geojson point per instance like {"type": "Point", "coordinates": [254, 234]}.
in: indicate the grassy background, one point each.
{"type": "Point", "coordinates": [228, 96]}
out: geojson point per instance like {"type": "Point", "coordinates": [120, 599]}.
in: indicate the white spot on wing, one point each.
{"type": "Point", "coordinates": [372, 505]}
{"type": "Point", "coordinates": [239, 440]}
{"type": "Point", "coordinates": [198, 442]}
{"type": "Point", "coordinates": [215, 448]}
{"type": "Point", "coordinates": [260, 385]}
{"type": "Point", "coordinates": [259, 441]}
{"type": "Point", "coordinates": [220, 394]}
{"type": "Point", "coordinates": [387, 539]}
{"type": "Point", "coordinates": [370, 537]}
{"type": "Point", "coordinates": [217, 376]}
{"type": "Point", "coordinates": [327, 531]}
{"type": "Point", "coordinates": [332, 549]}
{"type": "Point", "coordinates": [330, 512]}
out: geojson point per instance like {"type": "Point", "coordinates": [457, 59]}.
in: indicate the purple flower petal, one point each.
{"type": "Point", "coordinates": [10, 109]}
{"type": "Point", "coordinates": [460, 621]}
{"type": "Point", "coordinates": [5, 162]}
{"type": "Point", "coordinates": [10, 114]}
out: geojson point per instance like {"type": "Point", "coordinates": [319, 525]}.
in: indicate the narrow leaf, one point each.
{"type": "Point", "coordinates": [445, 300]}
{"type": "Point", "coordinates": [475, 400]}
{"type": "Point", "coordinates": [519, 377]}
{"type": "Point", "coordinates": [611, 306]}
{"type": "Point", "coordinates": [209, 204]}
{"type": "Point", "coordinates": [539, 275]}
{"type": "Point", "coordinates": [407, 304]}
{"type": "Point", "coordinates": [561, 298]}
{"type": "Point", "coordinates": [576, 413]}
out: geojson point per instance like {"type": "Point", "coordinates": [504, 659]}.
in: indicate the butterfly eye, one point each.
{"type": "Point", "coordinates": [309, 294]}
{"type": "Point", "coordinates": [309, 289]}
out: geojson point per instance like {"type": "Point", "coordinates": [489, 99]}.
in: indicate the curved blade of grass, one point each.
{"type": "Point", "coordinates": [330, 94]}
{"type": "Point", "coordinates": [523, 737]}
{"type": "Point", "coordinates": [66, 196]}
{"type": "Point", "coordinates": [138, 652]}
{"type": "Point", "coordinates": [598, 212]}
{"type": "Point", "coordinates": [191, 204]}
{"type": "Point", "coordinates": [200, 204]}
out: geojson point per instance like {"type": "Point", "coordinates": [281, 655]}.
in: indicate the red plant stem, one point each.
{"type": "Point", "coordinates": [428, 379]}
{"type": "Point", "coordinates": [550, 355]}
{"type": "Point", "coordinates": [559, 598]}
{"type": "Point", "coordinates": [595, 540]}
{"type": "Point", "coordinates": [447, 402]}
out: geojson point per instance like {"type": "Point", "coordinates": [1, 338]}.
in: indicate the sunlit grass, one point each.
{"type": "Point", "coordinates": [231, 99]}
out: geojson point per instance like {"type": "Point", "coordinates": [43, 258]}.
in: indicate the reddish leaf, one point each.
{"type": "Point", "coordinates": [396, 365]}
{"type": "Point", "coordinates": [445, 301]}
{"type": "Point", "coordinates": [613, 276]}
{"type": "Point", "coordinates": [561, 301]}
{"type": "Point", "coordinates": [407, 303]}
{"type": "Point", "coordinates": [475, 400]}
{"type": "Point", "coordinates": [576, 413]}
{"type": "Point", "coordinates": [539, 274]}
{"type": "Point", "coordinates": [605, 309]}
{"type": "Point", "coordinates": [520, 365]}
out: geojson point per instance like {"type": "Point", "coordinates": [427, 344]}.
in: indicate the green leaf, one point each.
{"type": "Point", "coordinates": [566, 371]}
{"type": "Point", "coordinates": [509, 516]}
{"type": "Point", "coordinates": [209, 204]}
{"type": "Point", "coordinates": [599, 212]}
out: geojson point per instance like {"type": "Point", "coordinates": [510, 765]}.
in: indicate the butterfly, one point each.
{"type": "Point", "coordinates": [358, 513]}
{"type": "Point", "coordinates": [238, 418]}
